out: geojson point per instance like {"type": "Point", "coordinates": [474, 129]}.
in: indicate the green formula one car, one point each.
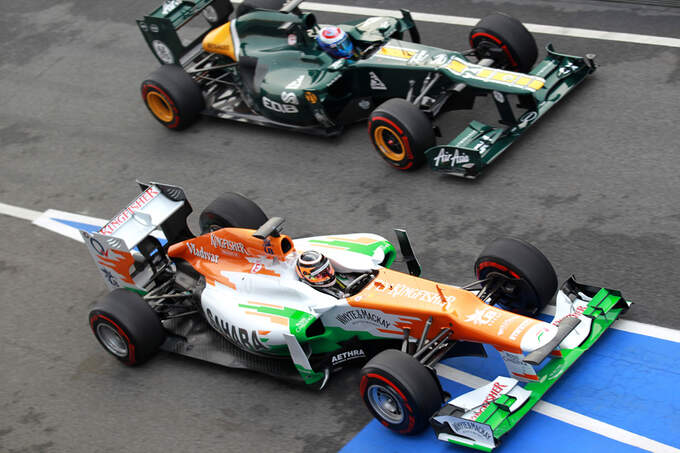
{"type": "Point", "coordinates": [268, 66]}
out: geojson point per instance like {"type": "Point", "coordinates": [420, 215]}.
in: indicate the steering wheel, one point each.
{"type": "Point", "coordinates": [357, 284]}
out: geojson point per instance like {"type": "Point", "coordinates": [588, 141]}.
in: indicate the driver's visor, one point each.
{"type": "Point", "coordinates": [322, 274]}
{"type": "Point", "coordinates": [343, 47]}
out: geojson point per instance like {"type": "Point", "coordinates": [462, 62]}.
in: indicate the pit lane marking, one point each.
{"type": "Point", "coordinates": [45, 220]}
{"type": "Point", "coordinates": [566, 415]}
{"type": "Point", "coordinates": [470, 21]}
{"type": "Point", "coordinates": [20, 213]}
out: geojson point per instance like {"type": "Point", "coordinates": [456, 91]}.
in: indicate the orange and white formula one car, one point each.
{"type": "Point", "coordinates": [242, 294]}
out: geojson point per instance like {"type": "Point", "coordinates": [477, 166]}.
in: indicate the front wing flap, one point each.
{"type": "Point", "coordinates": [479, 418]}
{"type": "Point", "coordinates": [479, 144]}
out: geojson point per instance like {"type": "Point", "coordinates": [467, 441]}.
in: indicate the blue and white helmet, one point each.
{"type": "Point", "coordinates": [335, 42]}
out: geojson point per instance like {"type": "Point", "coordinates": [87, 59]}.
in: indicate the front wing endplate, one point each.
{"type": "Point", "coordinates": [502, 412]}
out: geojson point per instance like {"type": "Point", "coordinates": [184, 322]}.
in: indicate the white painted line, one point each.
{"type": "Point", "coordinates": [648, 330]}
{"type": "Point", "coordinates": [566, 415]}
{"type": "Point", "coordinates": [602, 428]}
{"type": "Point", "coordinates": [21, 213]}
{"type": "Point", "coordinates": [470, 21]}
{"type": "Point", "coordinates": [604, 35]}
{"type": "Point", "coordinates": [467, 379]}
{"type": "Point", "coordinates": [44, 220]}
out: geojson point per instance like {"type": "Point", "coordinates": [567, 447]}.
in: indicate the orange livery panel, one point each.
{"type": "Point", "coordinates": [232, 249]}
{"type": "Point", "coordinates": [469, 318]}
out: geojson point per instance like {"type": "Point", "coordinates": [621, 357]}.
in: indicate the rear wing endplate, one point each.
{"type": "Point", "coordinates": [159, 206]}
{"type": "Point", "coordinates": [160, 27]}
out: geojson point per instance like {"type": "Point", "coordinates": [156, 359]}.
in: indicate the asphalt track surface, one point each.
{"type": "Point", "coordinates": [594, 185]}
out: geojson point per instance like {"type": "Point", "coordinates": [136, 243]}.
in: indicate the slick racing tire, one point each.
{"type": "Point", "coordinates": [531, 279]}
{"type": "Point", "coordinates": [401, 133]}
{"type": "Point", "coordinates": [217, 13]}
{"type": "Point", "coordinates": [506, 40]}
{"type": "Point", "coordinates": [127, 327]}
{"type": "Point", "coordinates": [231, 210]}
{"type": "Point", "coordinates": [399, 391]}
{"type": "Point", "coordinates": [172, 97]}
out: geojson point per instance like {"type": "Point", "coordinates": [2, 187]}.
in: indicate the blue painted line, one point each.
{"type": "Point", "coordinates": [626, 380]}
{"type": "Point", "coordinates": [77, 225]}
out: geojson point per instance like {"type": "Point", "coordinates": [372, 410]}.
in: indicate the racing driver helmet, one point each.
{"type": "Point", "coordinates": [335, 42]}
{"type": "Point", "coordinates": [315, 269]}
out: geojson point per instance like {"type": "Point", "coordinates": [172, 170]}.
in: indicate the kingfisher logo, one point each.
{"type": "Point", "coordinates": [124, 215]}
{"type": "Point", "coordinates": [226, 244]}
{"type": "Point", "coordinates": [496, 391]}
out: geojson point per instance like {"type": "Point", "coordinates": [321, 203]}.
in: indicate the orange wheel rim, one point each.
{"type": "Point", "coordinates": [389, 143]}
{"type": "Point", "coordinates": [159, 106]}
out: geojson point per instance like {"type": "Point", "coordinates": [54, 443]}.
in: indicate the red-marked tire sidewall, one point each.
{"type": "Point", "coordinates": [149, 87]}
{"type": "Point", "coordinates": [510, 35]}
{"type": "Point", "coordinates": [402, 377]}
{"type": "Point", "coordinates": [400, 133]}
{"type": "Point", "coordinates": [126, 317]}
{"type": "Point", "coordinates": [409, 160]}
{"type": "Point", "coordinates": [98, 317]}
{"type": "Point", "coordinates": [172, 96]}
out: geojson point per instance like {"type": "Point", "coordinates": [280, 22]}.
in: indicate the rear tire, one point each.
{"type": "Point", "coordinates": [506, 40]}
{"type": "Point", "coordinates": [172, 97]}
{"type": "Point", "coordinates": [231, 210]}
{"type": "Point", "coordinates": [521, 262]}
{"type": "Point", "coordinates": [127, 327]}
{"type": "Point", "coordinates": [401, 133]}
{"type": "Point", "coordinates": [217, 13]}
{"type": "Point", "coordinates": [399, 391]}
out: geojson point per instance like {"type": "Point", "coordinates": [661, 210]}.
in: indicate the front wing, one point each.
{"type": "Point", "coordinates": [479, 144]}
{"type": "Point", "coordinates": [479, 418]}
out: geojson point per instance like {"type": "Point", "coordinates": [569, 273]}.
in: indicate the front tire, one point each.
{"type": "Point", "coordinates": [401, 133]}
{"type": "Point", "coordinates": [172, 97]}
{"type": "Point", "coordinates": [506, 40]}
{"type": "Point", "coordinates": [531, 279]}
{"type": "Point", "coordinates": [399, 391]}
{"type": "Point", "coordinates": [231, 210]}
{"type": "Point", "coordinates": [127, 327]}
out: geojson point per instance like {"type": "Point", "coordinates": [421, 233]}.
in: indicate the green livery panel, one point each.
{"type": "Point", "coordinates": [480, 144]}
{"type": "Point", "coordinates": [497, 418]}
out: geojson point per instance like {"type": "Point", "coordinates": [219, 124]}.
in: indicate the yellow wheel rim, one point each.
{"type": "Point", "coordinates": [159, 106]}
{"type": "Point", "coordinates": [389, 143]}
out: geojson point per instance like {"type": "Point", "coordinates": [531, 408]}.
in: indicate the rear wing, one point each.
{"type": "Point", "coordinates": [160, 27]}
{"type": "Point", "coordinates": [124, 248]}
